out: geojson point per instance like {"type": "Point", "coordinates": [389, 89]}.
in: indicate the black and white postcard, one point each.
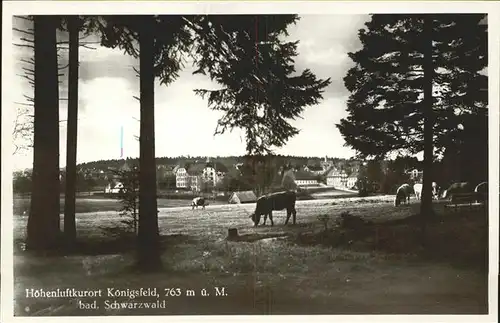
{"type": "Point", "coordinates": [247, 160]}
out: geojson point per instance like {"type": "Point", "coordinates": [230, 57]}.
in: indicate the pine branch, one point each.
{"type": "Point", "coordinates": [30, 61]}
{"type": "Point", "coordinates": [31, 81]}
{"type": "Point", "coordinates": [23, 31]}
{"type": "Point", "coordinates": [29, 99]}
{"type": "Point", "coordinates": [27, 40]}
{"type": "Point", "coordinates": [24, 104]}
{"type": "Point", "coordinates": [24, 45]}
{"type": "Point", "coordinates": [29, 71]}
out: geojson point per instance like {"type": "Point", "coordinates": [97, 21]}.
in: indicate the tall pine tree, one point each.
{"type": "Point", "coordinates": [161, 42]}
{"type": "Point", "coordinates": [261, 90]}
{"type": "Point", "coordinates": [416, 87]}
{"type": "Point", "coordinates": [43, 221]}
{"type": "Point", "coordinates": [74, 25]}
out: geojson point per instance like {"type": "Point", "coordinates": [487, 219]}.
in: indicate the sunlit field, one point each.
{"type": "Point", "coordinates": [92, 205]}
{"type": "Point", "coordinates": [301, 269]}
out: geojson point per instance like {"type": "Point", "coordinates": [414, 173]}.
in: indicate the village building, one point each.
{"type": "Point", "coordinates": [114, 181]}
{"type": "Point", "coordinates": [415, 175]}
{"type": "Point", "coordinates": [326, 164]}
{"type": "Point", "coordinates": [181, 177]}
{"type": "Point", "coordinates": [304, 179]}
{"type": "Point", "coordinates": [195, 177]}
{"type": "Point", "coordinates": [340, 179]}
{"type": "Point", "coordinates": [113, 188]}
{"type": "Point", "coordinates": [196, 174]}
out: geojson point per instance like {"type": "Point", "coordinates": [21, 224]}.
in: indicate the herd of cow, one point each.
{"type": "Point", "coordinates": [479, 192]}
{"type": "Point", "coordinates": [266, 204]}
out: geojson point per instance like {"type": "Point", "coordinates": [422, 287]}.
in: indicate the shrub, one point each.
{"type": "Point", "coordinates": [129, 197]}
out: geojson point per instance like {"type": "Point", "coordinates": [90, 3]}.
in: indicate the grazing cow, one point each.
{"type": "Point", "coordinates": [199, 201]}
{"type": "Point", "coordinates": [482, 192]}
{"type": "Point", "coordinates": [403, 194]}
{"type": "Point", "coordinates": [463, 187]}
{"type": "Point", "coordinates": [275, 202]}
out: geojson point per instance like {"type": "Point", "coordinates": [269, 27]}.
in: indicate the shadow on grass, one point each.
{"type": "Point", "coordinates": [458, 238]}
{"type": "Point", "coordinates": [99, 245]}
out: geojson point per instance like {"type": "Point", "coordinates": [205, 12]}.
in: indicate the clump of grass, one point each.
{"type": "Point", "coordinates": [235, 258]}
{"type": "Point", "coordinates": [459, 240]}
{"type": "Point", "coordinates": [353, 222]}
{"type": "Point", "coordinates": [118, 232]}
{"type": "Point", "coordinates": [324, 219]}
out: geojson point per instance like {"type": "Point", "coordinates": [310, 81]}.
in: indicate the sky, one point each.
{"type": "Point", "coordinates": [184, 124]}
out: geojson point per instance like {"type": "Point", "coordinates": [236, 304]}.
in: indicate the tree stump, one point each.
{"type": "Point", "coordinates": [232, 233]}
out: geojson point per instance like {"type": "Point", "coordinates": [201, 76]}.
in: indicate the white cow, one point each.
{"type": "Point", "coordinates": [417, 188]}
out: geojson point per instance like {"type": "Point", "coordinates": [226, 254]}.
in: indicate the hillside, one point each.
{"type": "Point", "coordinates": [228, 161]}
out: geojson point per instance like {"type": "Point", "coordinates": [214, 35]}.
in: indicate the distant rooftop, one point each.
{"type": "Point", "coordinates": [196, 169]}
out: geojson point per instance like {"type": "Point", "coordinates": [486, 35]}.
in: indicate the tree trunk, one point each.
{"type": "Point", "coordinates": [44, 222]}
{"type": "Point", "coordinates": [72, 123]}
{"type": "Point", "coordinates": [428, 67]}
{"type": "Point", "coordinates": [148, 235]}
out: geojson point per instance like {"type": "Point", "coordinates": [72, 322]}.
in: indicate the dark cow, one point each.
{"type": "Point", "coordinates": [275, 202]}
{"type": "Point", "coordinates": [199, 201]}
{"type": "Point", "coordinates": [463, 187]}
{"type": "Point", "coordinates": [402, 194]}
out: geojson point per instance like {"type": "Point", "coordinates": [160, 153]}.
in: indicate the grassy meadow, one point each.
{"type": "Point", "coordinates": [314, 267]}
